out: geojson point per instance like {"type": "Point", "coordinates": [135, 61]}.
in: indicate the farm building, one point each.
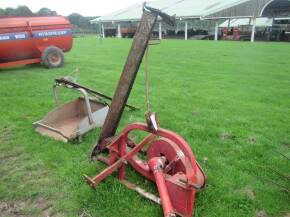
{"type": "Point", "coordinates": [198, 19]}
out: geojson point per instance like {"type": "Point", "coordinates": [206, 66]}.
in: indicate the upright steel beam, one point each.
{"type": "Point", "coordinates": [103, 31]}
{"type": "Point", "coordinates": [119, 34]}
{"type": "Point", "coordinates": [253, 29]}
{"type": "Point", "coordinates": [185, 30]}
{"type": "Point", "coordinates": [160, 30]}
{"type": "Point", "coordinates": [216, 30]}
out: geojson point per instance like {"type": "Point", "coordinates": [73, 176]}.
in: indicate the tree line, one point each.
{"type": "Point", "coordinates": [24, 11]}
{"type": "Point", "coordinates": [79, 22]}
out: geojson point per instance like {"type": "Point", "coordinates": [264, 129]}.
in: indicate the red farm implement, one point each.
{"type": "Point", "coordinates": [168, 160]}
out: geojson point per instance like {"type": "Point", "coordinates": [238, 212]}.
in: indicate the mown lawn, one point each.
{"type": "Point", "coordinates": [229, 100]}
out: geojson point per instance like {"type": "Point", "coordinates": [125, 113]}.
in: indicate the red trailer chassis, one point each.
{"type": "Point", "coordinates": [20, 62]}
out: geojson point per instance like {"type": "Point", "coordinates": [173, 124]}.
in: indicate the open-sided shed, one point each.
{"type": "Point", "coordinates": [186, 10]}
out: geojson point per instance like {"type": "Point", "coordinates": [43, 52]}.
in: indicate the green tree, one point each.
{"type": "Point", "coordinates": [76, 19]}
{"type": "Point", "coordinates": [2, 12]}
{"type": "Point", "coordinates": [46, 12]}
{"type": "Point", "coordinates": [10, 12]}
{"type": "Point", "coordinates": [23, 11]}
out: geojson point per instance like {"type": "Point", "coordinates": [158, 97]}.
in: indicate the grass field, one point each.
{"type": "Point", "coordinates": [229, 100]}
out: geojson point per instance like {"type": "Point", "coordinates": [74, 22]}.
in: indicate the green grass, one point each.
{"type": "Point", "coordinates": [229, 100]}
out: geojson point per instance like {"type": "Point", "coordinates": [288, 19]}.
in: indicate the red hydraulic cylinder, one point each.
{"type": "Point", "coordinates": [156, 165]}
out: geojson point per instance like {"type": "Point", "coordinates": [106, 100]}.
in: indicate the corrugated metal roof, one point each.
{"type": "Point", "coordinates": [180, 8]}
{"type": "Point", "coordinates": [260, 22]}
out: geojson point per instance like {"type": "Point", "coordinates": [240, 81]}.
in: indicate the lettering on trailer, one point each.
{"type": "Point", "coordinates": [53, 33]}
{"type": "Point", "coordinates": [36, 34]}
{"type": "Point", "coordinates": [13, 36]}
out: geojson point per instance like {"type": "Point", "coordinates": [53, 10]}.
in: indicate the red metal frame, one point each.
{"type": "Point", "coordinates": [157, 165]}
{"type": "Point", "coordinates": [177, 187]}
{"type": "Point", "coordinates": [20, 62]}
{"type": "Point", "coordinates": [170, 162]}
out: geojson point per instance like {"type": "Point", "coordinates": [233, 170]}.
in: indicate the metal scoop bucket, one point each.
{"type": "Point", "coordinates": [73, 119]}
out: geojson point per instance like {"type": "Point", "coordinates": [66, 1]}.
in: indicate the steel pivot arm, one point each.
{"type": "Point", "coordinates": [129, 73]}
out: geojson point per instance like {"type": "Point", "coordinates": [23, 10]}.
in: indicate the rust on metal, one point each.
{"type": "Point", "coordinates": [134, 59]}
{"type": "Point", "coordinates": [71, 84]}
{"type": "Point", "coordinates": [73, 119]}
{"type": "Point", "coordinates": [128, 76]}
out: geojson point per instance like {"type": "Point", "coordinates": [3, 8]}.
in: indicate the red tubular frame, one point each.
{"type": "Point", "coordinates": [156, 165]}
{"type": "Point", "coordinates": [20, 62]}
{"type": "Point", "coordinates": [177, 191]}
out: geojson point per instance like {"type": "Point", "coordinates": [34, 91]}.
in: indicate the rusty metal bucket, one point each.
{"type": "Point", "coordinates": [73, 119]}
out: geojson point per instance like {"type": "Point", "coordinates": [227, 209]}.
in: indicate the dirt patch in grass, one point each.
{"type": "Point", "coordinates": [23, 175]}
{"type": "Point", "coordinates": [227, 136]}
{"type": "Point", "coordinates": [6, 133]}
{"type": "Point", "coordinates": [261, 213]}
{"type": "Point", "coordinates": [252, 139]}
{"type": "Point", "coordinates": [85, 213]}
{"type": "Point", "coordinates": [248, 192]}
{"type": "Point", "coordinates": [194, 114]}
{"type": "Point", "coordinates": [9, 156]}
{"type": "Point", "coordinates": [286, 145]}
{"type": "Point", "coordinates": [38, 207]}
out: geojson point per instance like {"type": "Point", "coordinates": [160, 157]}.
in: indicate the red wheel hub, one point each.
{"type": "Point", "coordinates": [171, 152]}
{"type": "Point", "coordinates": [54, 58]}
